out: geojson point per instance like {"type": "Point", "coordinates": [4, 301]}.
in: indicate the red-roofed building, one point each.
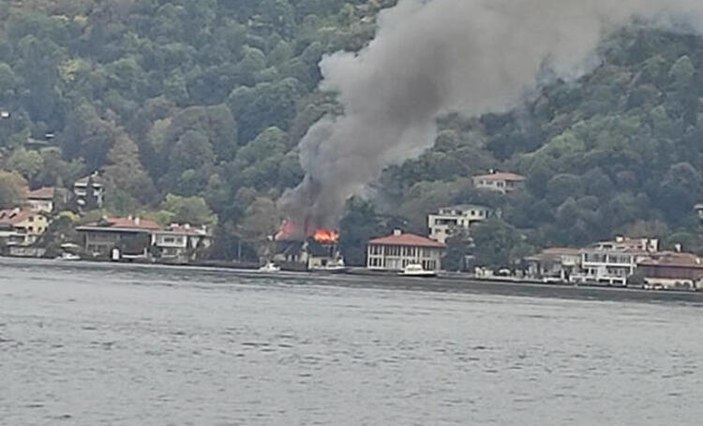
{"type": "Point", "coordinates": [395, 252]}
{"type": "Point", "coordinates": [132, 237]}
{"type": "Point", "coordinates": [672, 270]}
{"type": "Point", "coordinates": [21, 226]}
{"type": "Point", "coordinates": [499, 181]}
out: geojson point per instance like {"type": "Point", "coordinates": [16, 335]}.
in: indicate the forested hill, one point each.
{"type": "Point", "coordinates": [619, 151]}
{"type": "Point", "coordinates": [207, 100]}
{"type": "Point", "coordinates": [192, 98]}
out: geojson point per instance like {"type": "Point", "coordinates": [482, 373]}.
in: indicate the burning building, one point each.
{"type": "Point", "coordinates": [304, 248]}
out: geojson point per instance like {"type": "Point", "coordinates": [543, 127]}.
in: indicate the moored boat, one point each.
{"type": "Point", "coordinates": [416, 270]}
{"type": "Point", "coordinates": [270, 267]}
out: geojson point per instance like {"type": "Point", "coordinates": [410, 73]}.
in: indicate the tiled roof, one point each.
{"type": "Point", "coordinates": [408, 240]}
{"type": "Point", "coordinates": [185, 230]}
{"type": "Point", "coordinates": [673, 259]}
{"type": "Point", "coordinates": [14, 216]}
{"type": "Point", "coordinates": [42, 194]}
{"type": "Point", "coordinates": [502, 176]}
{"type": "Point", "coordinates": [125, 222]}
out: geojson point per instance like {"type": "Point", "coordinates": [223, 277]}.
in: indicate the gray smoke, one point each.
{"type": "Point", "coordinates": [436, 56]}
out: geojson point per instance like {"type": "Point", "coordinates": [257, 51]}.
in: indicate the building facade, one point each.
{"type": "Point", "coordinates": [451, 220]}
{"type": "Point", "coordinates": [181, 242]}
{"type": "Point", "coordinates": [131, 237]}
{"type": "Point", "coordinates": [397, 251]}
{"type": "Point", "coordinates": [672, 270]}
{"type": "Point", "coordinates": [41, 200]}
{"type": "Point", "coordinates": [613, 262]}
{"type": "Point", "coordinates": [554, 264]}
{"type": "Point", "coordinates": [21, 227]}
{"type": "Point", "coordinates": [499, 181]}
{"type": "Point", "coordinates": [89, 192]}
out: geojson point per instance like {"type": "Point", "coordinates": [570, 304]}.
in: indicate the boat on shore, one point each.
{"type": "Point", "coordinates": [270, 268]}
{"type": "Point", "coordinates": [416, 270]}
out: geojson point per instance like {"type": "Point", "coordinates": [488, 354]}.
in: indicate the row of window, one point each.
{"type": "Point", "coordinates": [399, 251]}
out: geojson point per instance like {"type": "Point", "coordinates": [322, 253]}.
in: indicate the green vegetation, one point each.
{"type": "Point", "coordinates": [193, 110]}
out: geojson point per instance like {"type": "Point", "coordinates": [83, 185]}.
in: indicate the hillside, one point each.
{"type": "Point", "coordinates": [618, 151]}
{"type": "Point", "coordinates": [202, 104]}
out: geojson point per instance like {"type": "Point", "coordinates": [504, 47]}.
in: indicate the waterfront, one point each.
{"type": "Point", "coordinates": [96, 344]}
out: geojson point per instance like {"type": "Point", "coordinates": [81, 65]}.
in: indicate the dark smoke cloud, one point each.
{"type": "Point", "coordinates": [437, 56]}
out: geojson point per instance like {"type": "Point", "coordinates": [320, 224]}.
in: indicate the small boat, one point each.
{"type": "Point", "coordinates": [68, 256]}
{"type": "Point", "coordinates": [416, 270]}
{"type": "Point", "coordinates": [331, 267]}
{"type": "Point", "coordinates": [270, 267]}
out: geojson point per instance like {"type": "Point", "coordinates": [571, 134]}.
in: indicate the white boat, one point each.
{"type": "Point", "coordinates": [270, 267]}
{"type": "Point", "coordinates": [331, 267]}
{"type": "Point", "coordinates": [68, 256]}
{"type": "Point", "coordinates": [416, 270]}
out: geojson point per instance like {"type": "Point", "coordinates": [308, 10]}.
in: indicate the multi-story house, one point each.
{"type": "Point", "coordinates": [613, 262]}
{"type": "Point", "coordinates": [89, 192]}
{"type": "Point", "coordinates": [451, 220]}
{"type": "Point", "coordinates": [118, 238]}
{"type": "Point", "coordinates": [21, 227]}
{"type": "Point", "coordinates": [397, 251]}
{"type": "Point", "coordinates": [499, 181]}
{"type": "Point", "coordinates": [41, 200]}
{"type": "Point", "coordinates": [181, 242]}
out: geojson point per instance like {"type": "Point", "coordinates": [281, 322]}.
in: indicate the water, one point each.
{"type": "Point", "coordinates": [119, 345]}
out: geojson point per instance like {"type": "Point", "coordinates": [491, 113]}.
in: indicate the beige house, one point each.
{"type": "Point", "coordinates": [180, 242]}
{"type": "Point", "coordinates": [21, 226]}
{"type": "Point", "coordinates": [397, 251]}
{"type": "Point", "coordinates": [450, 220]}
{"type": "Point", "coordinates": [41, 200]}
{"type": "Point", "coordinates": [554, 264]}
{"type": "Point", "coordinates": [499, 181]}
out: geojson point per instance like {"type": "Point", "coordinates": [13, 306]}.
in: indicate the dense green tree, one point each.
{"type": "Point", "coordinates": [12, 189]}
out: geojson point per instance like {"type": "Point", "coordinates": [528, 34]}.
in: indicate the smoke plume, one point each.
{"type": "Point", "coordinates": [430, 57]}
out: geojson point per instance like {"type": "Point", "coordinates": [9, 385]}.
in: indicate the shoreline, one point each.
{"type": "Point", "coordinates": [361, 278]}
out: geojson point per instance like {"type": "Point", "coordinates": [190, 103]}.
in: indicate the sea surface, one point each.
{"type": "Point", "coordinates": [87, 344]}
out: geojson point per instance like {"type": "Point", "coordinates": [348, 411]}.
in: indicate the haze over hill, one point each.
{"type": "Point", "coordinates": [208, 101]}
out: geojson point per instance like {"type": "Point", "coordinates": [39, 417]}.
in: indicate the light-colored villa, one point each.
{"type": "Point", "coordinates": [613, 262]}
{"type": "Point", "coordinates": [397, 251]}
{"type": "Point", "coordinates": [499, 182]}
{"type": "Point", "coordinates": [450, 220]}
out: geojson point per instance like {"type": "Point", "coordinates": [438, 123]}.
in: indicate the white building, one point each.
{"type": "Point", "coordinates": [180, 242]}
{"type": "Point", "coordinates": [397, 251]}
{"type": "Point", "coordinates": [449, 220]}
{"type": "Point", "coordinates": [499, 182]}
{"type": "Point", "coordinates": [554, 264]}
{"type": "Point", "coordinates": [41, 200]}
{"type": "Point", "coordinates": [89, 192]}
{"type": "Point", "coordinates": [613, 262]}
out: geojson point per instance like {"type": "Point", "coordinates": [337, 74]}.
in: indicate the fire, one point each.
{"type": "Point", "coordinates": [287, 231]}
{"type": "Point", "coordinates": [291, 231]}
{"type": "Point", "coordinates": [326, 236]}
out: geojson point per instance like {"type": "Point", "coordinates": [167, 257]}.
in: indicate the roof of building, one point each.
{"type": "Point", "coordinates": [15, 216]}
{"type": "Point", "coordinates": [185, 230]}
{"type": "Point", "coordinates": [554, 252]}
{"type": "Point", "coordinates": [42, 194]}
{"type": "Point", "coordinates": [673, 260]}
{"type": "Point", "coordinates": [463, 207]}
{"type": "Point", "coordinates": [408, 240]}
{"type": "Point", "coordinates": [84, 180]}
{"type": "Point", "coordinates": [506, 176]}
{"type": "Point", "coordinates": [122, 224]}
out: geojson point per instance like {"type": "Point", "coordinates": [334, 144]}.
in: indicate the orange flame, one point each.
{"type": "Point", "coordinates": [326, 236]}
{"type": "Point", "coordinates": [287, 231]}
